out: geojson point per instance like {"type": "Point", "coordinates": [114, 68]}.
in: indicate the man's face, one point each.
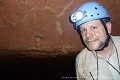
{"type": "Point", "coordinates": [93, 34]}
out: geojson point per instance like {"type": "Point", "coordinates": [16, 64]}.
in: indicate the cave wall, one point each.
{"type": "Point", "coordinates": [43, 25]}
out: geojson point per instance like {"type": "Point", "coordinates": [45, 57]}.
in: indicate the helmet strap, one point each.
{"type": "Point", "coordinates": [107, 34]}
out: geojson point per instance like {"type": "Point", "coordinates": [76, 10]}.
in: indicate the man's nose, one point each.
{"type": "Point", "coordinates": [89, 33]}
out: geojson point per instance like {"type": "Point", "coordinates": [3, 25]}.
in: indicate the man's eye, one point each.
{"type": "Point", "coordinates": [82, 31]}
{"type": "Point", "coordinates": [94, 27]}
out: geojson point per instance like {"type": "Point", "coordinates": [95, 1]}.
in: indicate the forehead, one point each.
{"type": "Point", "coordinates": [90, 23]}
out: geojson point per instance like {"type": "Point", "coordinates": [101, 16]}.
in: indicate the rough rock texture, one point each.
{"type": "Point", "coordinates": [43, 25]}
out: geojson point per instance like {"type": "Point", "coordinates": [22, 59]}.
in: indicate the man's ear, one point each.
{"type": "Point", "coordinates": [109, 26]}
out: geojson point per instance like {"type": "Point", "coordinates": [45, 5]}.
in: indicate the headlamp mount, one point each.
{"type": "Point", "coordinates": [77, 16]}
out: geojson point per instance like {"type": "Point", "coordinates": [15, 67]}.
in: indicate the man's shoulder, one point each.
{"type": "Point", "coordinates": [116, 37]}
{"type": "Point", "coordinates": [84, 51]}
{"type": "Point", "coordinates": [83, 54]}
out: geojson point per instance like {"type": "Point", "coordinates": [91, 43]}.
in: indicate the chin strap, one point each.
{"type": "Point", "coordinates": [107, 34]}
{"type": "Point", "coordinates": [105, 44]}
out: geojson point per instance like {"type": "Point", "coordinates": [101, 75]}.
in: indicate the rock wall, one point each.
{"type": "Point", "coordinates": [43, 25]}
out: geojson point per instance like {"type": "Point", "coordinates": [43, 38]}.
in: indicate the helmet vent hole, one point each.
{"type": "Point", "coordinates": [96, 8]}
{"type": "Point", "coordinates": [91, 15]}
{"type": "Point", "coordinates": [97, 14]}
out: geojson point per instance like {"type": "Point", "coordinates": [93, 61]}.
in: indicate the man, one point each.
{"type": "Point", "coordinates": [100, 60]}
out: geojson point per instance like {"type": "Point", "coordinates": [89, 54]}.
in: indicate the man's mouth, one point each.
{"type": "Point", "coordinates": [91, 41]}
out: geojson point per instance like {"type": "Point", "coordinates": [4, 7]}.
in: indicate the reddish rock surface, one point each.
{"type": "Point", "coordinates": [43, 25]}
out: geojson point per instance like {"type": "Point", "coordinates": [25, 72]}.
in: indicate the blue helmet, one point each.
{"type": "Point", "coordinates": [87, 12]}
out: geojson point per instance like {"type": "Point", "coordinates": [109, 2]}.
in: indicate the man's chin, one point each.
{"type": "Point", "coordinates": [92, 48]}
